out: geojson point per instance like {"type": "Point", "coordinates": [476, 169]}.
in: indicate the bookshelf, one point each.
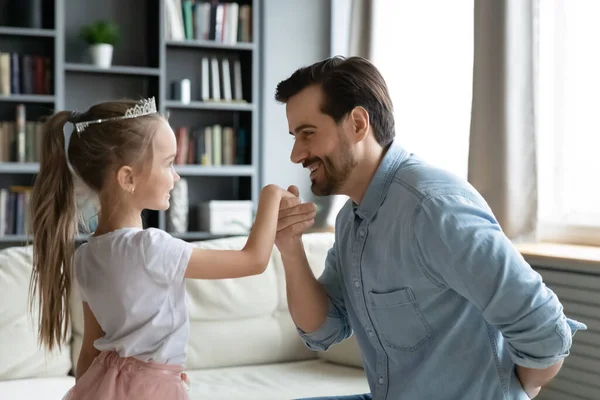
{"type": "Point", "coordinates": [32, 32]}
{"type": "Point", "coordinates": [150, 57]}
{"type": "Point", "coordinates": [208, 44]}
{"type": "Point", "coordinates": [115, 69]}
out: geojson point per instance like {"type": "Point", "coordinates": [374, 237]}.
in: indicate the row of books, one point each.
{"type": "Point", "coordinates": [220, 81]}
{"type": "Point", "coordinates": [25, 74]}
{"type": "Point", "coordinates": [15, 214]}
{"type": "Point", "coordinates": [14, 210]}
{"type": "Point", "coordinates": [20, 140]}
{"type": "Point", "coordinates": [212, 145]}
{"type": "Point", "coordinates": [208, 20]}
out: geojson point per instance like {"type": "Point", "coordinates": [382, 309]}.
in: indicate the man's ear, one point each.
{"type": "Point", "coordinates": [125, 177]}
{"type": "Point", "coordinates": [359, 117]}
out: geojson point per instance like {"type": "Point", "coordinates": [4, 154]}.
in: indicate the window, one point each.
{"type": "Point", "coordinates": [568, 122]}
{"type": "Point", "coordinates": [424, 49]}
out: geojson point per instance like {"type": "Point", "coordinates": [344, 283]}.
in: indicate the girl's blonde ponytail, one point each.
{"type": "Point", "coordinates": [53, 216]}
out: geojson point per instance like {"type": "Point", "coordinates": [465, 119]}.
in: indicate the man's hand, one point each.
{"type": "Point", "coordinates": [295, 218]}
{"type": "Point", "coordinates": [531, 390]}
{"type": "Point", "coordinates": [532, 380]}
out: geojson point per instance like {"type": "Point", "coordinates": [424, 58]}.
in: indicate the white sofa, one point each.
{"type": "Point", "coordinates": [243, 343]}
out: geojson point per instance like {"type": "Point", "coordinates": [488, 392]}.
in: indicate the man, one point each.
{"type": "Point", "coordinates": [441, 303]}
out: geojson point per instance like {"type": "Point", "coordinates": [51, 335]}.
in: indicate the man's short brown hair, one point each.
{"type": "Point", "coordinates": [346, 83]}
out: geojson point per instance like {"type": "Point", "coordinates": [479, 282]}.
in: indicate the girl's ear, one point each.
{"type": "Point", "coordinates": [125, 177]}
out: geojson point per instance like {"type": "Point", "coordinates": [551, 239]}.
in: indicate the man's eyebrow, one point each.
{"type": "Point", "coordinates": [302, 127]}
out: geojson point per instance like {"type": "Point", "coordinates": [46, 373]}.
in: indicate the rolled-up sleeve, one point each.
{"type": "Point", "coordinates": [336, 327]}
{"type": "Point", "coordinates": [461, 246]}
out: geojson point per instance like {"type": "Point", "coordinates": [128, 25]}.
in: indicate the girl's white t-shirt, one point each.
{"type": "Point", "coordinates": [133, 281]}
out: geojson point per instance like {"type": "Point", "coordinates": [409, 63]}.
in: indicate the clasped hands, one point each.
{"type": "Point", "coordinates": [295, 218]}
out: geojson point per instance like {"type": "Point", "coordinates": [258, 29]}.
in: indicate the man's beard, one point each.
{"type": "Point", "coordinates": [335, 176]}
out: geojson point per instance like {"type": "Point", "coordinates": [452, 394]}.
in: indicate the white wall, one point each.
{"type": "Point", "coordinates": [294, 34]}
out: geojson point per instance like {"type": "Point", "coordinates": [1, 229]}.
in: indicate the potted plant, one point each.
{"type": "Point", "coordinates": [101, 36]}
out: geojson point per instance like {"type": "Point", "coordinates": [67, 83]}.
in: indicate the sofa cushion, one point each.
{"type": "Point", "coordinates": [240, 321]}
{"type": "Point", "coordinates": [283, 381]}
{"type": "Point", "coordinates": [20, 354]}
{"type": "Point", "coordinates": [37, 388]}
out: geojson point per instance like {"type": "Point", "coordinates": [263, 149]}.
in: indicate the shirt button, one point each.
{"type": "Point", "coordinates": [356, 284]}
{"type": "Point", "coordinates": [371, 333]}
{"type": "Point", "coordinates": [361, 233]}
{"type": "Point", "coordinates": [380, 380]}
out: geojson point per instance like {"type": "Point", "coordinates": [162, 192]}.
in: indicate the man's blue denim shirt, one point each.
{"type": "Point", "coordinates": [442, 304]}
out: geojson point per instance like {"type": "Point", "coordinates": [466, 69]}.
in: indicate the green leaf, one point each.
{"type": "Point", "coordinates": [100, 32]}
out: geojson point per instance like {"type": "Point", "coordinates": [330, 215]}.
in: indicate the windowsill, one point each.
{"type": "Point", "coordinates": [562, 256]}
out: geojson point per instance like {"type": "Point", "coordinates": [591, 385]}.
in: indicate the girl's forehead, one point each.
{"type": "Point", "coordinates": [164, 140]}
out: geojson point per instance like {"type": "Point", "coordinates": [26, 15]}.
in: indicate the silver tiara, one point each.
{"type": "Point", "coordinates": [144, 107]}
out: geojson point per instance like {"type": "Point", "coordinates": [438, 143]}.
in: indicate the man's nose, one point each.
{"type": "Point", "coordinates": [299, 152]}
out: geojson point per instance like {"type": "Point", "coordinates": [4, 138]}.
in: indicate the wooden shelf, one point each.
{"type": "Point", "coordinates": [222, 170]}
{"type": "Point", "coordinates": [19, 168]}
{"type": "Point", "coordinates": [209, 105]}
{"type": "Point", "coordinates": [13, 31]}
{"type": "Point", "coordinates": [114, 70]}
{"type": "Point", "coordinates": [209, 44]}
{"type": "Point", "coordinates": [27, 98]}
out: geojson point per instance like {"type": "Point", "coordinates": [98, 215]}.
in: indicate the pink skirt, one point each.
{"type": "Point", "coordinates": [111, 377]}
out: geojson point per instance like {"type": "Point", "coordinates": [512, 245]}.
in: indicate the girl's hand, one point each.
{"type": "Point", "coordinates": [280, 191]}
{"type": "Point", "coordinates": [276, 191]}
{"type": "Point", "coordinates": [294, 219]}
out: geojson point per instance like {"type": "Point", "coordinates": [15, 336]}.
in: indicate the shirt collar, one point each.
{"type": "Point", "coordinates": [380, 183]}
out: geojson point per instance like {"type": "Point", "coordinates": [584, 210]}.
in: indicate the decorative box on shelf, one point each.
{"type": "Point", "coordinates": [226, 217]}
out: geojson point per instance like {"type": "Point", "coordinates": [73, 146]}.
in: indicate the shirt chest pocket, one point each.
{"type": "Point", "coordinates": [399, 320]}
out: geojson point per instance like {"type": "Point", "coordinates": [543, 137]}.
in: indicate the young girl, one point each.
{"type": "Point", "coordinates": [131, 279]}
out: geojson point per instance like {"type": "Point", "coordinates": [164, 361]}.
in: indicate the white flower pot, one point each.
{"type": "Point", "coordinates": [101, 55]}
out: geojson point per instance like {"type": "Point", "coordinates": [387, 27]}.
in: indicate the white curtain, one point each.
{"type": "Point", "coordinates": [502, 154]}
{"type": "Point", "coordinates": [351, 23]}
{"type": "Point", "coordinates": [424, 49]}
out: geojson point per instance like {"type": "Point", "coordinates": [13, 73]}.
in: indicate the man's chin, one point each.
{"type": "Point", "coordinates": [319, 190]}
